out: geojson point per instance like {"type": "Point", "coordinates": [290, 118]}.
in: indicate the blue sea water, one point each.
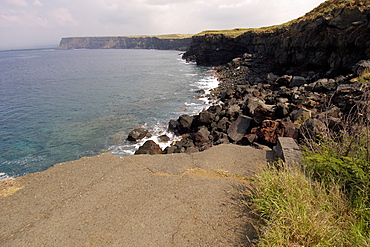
{"type": "Point", "coordinates": [60, 105]}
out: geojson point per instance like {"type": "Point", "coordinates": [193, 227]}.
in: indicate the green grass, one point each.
{"type": "Point", "coordinates": [327, 8]}
{"type": "Point", "coordinates": [300, 212]}
{"type": "Point", "coordinates": [162, 36]}
{"type": "Point", "coordinates": [166, 36]}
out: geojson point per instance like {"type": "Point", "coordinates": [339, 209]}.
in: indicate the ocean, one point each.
{"type": "Point", "coordinates": [61, 105]}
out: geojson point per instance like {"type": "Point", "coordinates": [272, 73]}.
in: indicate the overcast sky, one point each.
{"type": "Point", "coordinates": [35, 23]}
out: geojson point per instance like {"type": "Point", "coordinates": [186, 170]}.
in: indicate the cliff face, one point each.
{"type": "Point", "coordinates": [328, 40]}
{"type": "Point", "coordinates": [121, 42]}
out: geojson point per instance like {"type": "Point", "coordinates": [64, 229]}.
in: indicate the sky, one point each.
{"type": "Point", "coordinates": [42, 23]}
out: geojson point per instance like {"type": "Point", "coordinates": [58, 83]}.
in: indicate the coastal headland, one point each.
{"type": "Point", "coordinates": [179, 42]}
{"type": "Point", "coordinates": [294, 80]}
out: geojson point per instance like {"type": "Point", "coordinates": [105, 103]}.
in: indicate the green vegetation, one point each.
{"type": "Point", "coordinates": [231, 33]}
{"type": "Point", "coordinates": [300, 212]}
{"type": "Point", "coordinates": [324, 201]}
{"type": "Point", "coordinates": [162, 36]}
{"type": "Point", "coordinates": [173, 36]}
{"type": "Point", "coordinates": [364, 78]}
{"type": "Point", "coordinates": [325, 9]}
{"type": "Point", "coordinates": [344, 159]}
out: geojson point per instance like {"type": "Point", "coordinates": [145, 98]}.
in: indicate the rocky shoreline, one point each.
{"type": "Point", "coordinates": [299, 80]}
{"type": "Point", "coordinates": [257, 102]}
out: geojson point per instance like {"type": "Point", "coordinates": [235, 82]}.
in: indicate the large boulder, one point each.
{"type": "Point", "coordinates": [253, 103]}
{"type": "Point", "coordinates": [163, 138]}
{"type": "Point", "coordinates": [313, 129]}
{"type": "Point", "coordinates": [302, 115]}
{"type": "Point", "coordinates": [184, 124]}
{"type": "Point", "coordinates": [362, 67]}
{"type": "Point", "coordinates": [223, 124]}
{"type": "Point", "coordinates": [233, 111]}
{"type": "Point", "coordinates": [289, 128]}
{"type": "Point", "coordinates": [149, 147]}
{"type": "Point", "coordinates": [269, 132]}
{"type": "Point", "coordinates": [284, 80]}
{"type": "Point", "coordinates": [239, 127]}
{"type": "Point", "coordinates": [206, 117]}
{"type": "Point", "coordinates": [281, 110]}
{"type": "Point", "coordinates": [346, 18]}
{"type": "Point", "coordinates": [137, 133]}
{"type": "Point", "coordinates": [173, 126]}
{"type": "Point", "coordinates": [324, 85]}
{"type": "Point", "coordinates": [355, 88]}
{"type": "Point", "coordinates": [297, 81]}
{"type": "Point", "coordinates": [262, 113]}
{"type": "Point", "coordinates": [201, 137]}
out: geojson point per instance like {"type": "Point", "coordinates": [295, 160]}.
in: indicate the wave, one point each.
{"type": "Point", "coordinates": [201, 102]}
{"type": "Point", "coordinates": [3, 176]}
{"type": "Point", "coordinates": [25, 164]}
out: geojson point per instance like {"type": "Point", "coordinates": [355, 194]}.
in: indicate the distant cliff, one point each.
{"type": "Point", "coordinates": [164, 42]}
{"type": "Point", "coordinates": [332, 37]}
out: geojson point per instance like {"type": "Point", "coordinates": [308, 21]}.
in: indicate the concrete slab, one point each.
{"type": "Point", "coordinates": [288, 150]}
{"type": "Point", "coordinates": [162, 200]}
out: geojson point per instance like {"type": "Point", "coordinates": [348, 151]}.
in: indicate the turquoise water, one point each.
{"type": "Point", "coordinates": [60, 105]}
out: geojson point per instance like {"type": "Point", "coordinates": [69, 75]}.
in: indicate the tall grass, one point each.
{"type": "Point", "coordinates": [325, 201]}
{"type": "Point", "coordinates": [300, 212]}
{"type": "Point", "coordinates": [343, 157]}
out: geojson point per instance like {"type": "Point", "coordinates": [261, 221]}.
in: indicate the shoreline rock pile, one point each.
{"type": "Point", "coordinates": [296, 80]}
{"type": "Point", "coordinates": [257, 102]}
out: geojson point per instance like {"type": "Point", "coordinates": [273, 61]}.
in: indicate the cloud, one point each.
{"type": "Point", "coordinates": [37, 3]}
{"type": "Point", "coordinates": [53, 19]}
{"type": "Point", "coordinates": [19, 19]}
{"type": "Point", "coordinates": [9, 20]}
{"type": "Point", "coordinates": [19, 3]}
{"type": "Point", "coordinates": [62, 17]}
{"type": "Point", "coordinates": [234, 4]}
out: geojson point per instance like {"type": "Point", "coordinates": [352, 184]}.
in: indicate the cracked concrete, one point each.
{"type": "Point", "coordinates": [161, 200]}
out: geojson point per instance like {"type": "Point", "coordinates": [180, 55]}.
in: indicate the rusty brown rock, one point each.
{"type": "Point", "coordinates": [269, 131]}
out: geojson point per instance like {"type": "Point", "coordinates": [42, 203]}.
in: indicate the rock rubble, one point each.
{"type": "Point", "coordinates": [255, 104]}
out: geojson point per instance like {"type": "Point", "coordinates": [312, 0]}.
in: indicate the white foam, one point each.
{"type": "Point", "coordinates": [3, 176]}
{"type": "Point", "coordinates": [129, 148]}
{"type": "Point", "coordinates": [202, 102]}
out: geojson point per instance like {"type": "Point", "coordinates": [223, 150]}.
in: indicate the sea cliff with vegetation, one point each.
{"type": "Point", "coordinates": [159, 42]}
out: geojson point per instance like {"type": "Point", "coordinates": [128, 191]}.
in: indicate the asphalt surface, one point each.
{"type": "Point", "coordinates": [158, 200]}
